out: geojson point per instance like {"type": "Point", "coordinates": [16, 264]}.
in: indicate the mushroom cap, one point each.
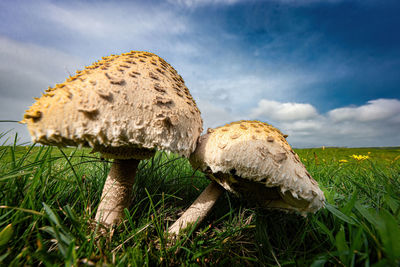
{"type": "Point", "coordinates": [123, 106]}
{"type": "Point", "coordinates": [253, 159]}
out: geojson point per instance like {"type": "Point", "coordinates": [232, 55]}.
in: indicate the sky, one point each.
{"type": "Point", "coordinates": [325, 72]}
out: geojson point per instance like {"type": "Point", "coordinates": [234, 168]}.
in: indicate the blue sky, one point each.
{"type": "Point", "coordinates": [327, 72]}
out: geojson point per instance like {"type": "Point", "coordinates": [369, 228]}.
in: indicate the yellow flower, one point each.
{"type": "Point", "coordinates": [343, 161]}
{"type": "Point", "coordinates": [359, 157]}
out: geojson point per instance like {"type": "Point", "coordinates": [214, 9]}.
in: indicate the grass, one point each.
{"type": "Point", "coordinates": [49, 195]}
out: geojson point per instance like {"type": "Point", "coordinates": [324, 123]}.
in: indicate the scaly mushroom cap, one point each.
{"type": "Point", "coordinates": [254, 160]}
{"type": "Point", "coordinates": [123, 103]}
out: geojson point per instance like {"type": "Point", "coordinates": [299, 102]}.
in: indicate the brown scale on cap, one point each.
{"type": "Point", "coordinates": [35, 115]}
{"type": "Point", "coordinates": [222, 146]}
{"type": "Point", "coordinates": [130, 61]}
{"type": "Point", "coordinates": [235, 136]}
{"type": "Point", "coordinates": [153, 76]}
{"type": "Point", "coordinates": [134, 74]}
{"type": "Point", "coordinates": [163, 67]}
{"type": "Point", "coordinates": [103, 93]}
{"type": "Point", "coordinates": [124, 66]}
{"type": "Point", "coordinates": [159, 89]}
{"type": "Point", "coordinates": [161, 101]}
{"type": "Point", "coordinates": [114, 79]}
{"type": "Point", "coordinates": [160, 71]}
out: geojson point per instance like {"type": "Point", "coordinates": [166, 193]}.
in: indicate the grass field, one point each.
{"type": "Point", "coordinates": [48, 198]}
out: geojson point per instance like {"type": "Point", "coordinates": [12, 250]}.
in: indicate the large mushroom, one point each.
{"type": "Point", "coordinates": [125, 107]}
{"type": "Point", "coordinates": [253, 160]}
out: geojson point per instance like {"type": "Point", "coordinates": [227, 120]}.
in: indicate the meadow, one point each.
{"type": "Point", "coordinates": [49, 196]}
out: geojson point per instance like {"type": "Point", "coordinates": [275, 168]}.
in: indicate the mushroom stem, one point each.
{"type": "Point", "coordinates": [117, 191]}
{"type": "Point", "coordinates": [199, 209]}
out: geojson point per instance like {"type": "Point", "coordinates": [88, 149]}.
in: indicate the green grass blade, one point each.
{"type": "Point", "coordinates": [10, 176]}
{"type": "Point", "coordinates": [342, 246]}
{"type": "Point", "coordinates": [51, 215]}
{"type": "Point", "coordinates": [389, 231]}
{"type": "Point", "coordinates": [368, 214]}
{"type": "Point", "coordinates": [325, 230]}
{"type": "Point", "coordinates": [6, 234]}
{"type": "Point", "coordinates": [340, 214]}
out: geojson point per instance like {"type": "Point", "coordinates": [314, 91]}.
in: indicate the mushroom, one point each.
{"type": "Point", "coordinates": [253, 160]}
{"type": "Point", "coordinates": [125, 107]}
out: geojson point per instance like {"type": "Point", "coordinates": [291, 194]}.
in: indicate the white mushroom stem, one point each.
{"type": "Point", "coordinates": [199, 209]}
{"type": "Point", "coordinates": [117, 191]}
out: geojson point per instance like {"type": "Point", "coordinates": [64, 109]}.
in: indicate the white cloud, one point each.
{"type": "Point", "coordinates": [304, 126]}
{"type": "Point", "coordinates": [277, 111]}
{"type": "Point", "coordinates": [379, 109]}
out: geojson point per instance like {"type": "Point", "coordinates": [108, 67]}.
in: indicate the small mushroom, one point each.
{"type": "Point", "coordinates": [117, 114]}
{"type": "Point", "coordinates": [265, 172]}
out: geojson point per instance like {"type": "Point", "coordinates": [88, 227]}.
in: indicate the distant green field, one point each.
{"type": "Point", "coordinates": [330, 155]}
{"type": "Point", "coordinates": [48, 198]}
